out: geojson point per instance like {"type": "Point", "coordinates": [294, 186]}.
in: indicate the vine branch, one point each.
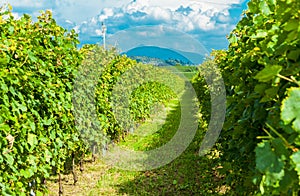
{"type": "Point", "coordinates": [292, 79]}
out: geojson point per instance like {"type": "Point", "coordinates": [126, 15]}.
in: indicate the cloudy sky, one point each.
{"type": "Point", "coordinates": [173, 22]}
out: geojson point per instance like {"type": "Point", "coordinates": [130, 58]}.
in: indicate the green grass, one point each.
{"type": "Point", "coordinates": [188, 174]}
{"type": "Point", "coordinates": [187, 71]}
{"type": "Point", "coordinates": [154, 129]}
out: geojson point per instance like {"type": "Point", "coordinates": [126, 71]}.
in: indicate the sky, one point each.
{"type": "Point", "coordinates": [190, 25]}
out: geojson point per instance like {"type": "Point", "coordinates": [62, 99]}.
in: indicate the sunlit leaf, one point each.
{"type": "Point", "coordinates": [290, 108]}
{"type": "Point", "coordinates": [268, 73]}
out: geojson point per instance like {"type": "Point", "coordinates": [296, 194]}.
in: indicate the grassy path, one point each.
{"type": "Point", "coordinates": [189, 174]}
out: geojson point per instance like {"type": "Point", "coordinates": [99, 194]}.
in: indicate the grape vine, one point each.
{"type": "Point", "coordinates": [261, 73]}
{"type": "Point", "coordinates": [39, 132]}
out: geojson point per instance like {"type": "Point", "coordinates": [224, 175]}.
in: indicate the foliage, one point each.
{"type": "Point", "coordinates": [124, 81]}
{"type": "Point", "coordinates": [202, 90]}
{"type": "Point", "coordinates": [261, 73]}
{"type": "Point", "coordinates": [38, 63]}
{"type": "Point", "coordinates": [86, 117]}
{"type": "Point", "coordinates": [260, 69]}
{"type": "Point", "coordinates": [145, 96]}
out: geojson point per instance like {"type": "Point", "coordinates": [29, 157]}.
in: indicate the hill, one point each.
{"type": "Point", "coordinates": [163, 56]}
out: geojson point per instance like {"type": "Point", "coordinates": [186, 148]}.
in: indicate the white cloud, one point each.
{"type": "Point", "coordinates": [106, 13]}
{"type": "Point", "coordinates": [25, 3]}
{"type": "Point", "coordinates": [93, 20]}
{"type": "Point", "coordinates": [98, 32]}
{"type": "Point", "coordinates": [201, 19]}
{"type": "Point", "coordinates": [223, 17]}
{"type": "Point", "coordinates": [158, 13]}
{"type": "Point", "coordinates": [135, 6]}
{"type": "Point", "coordinates": [156, 35]}
{"type": "Point", "coordinates": [68, 21]}
{"type": "Point", "coordinates": [80, 10]}
{"type": "Point", "coordinates": [190, 16]}
{"type": "Point", "coordinates": [73, 10]}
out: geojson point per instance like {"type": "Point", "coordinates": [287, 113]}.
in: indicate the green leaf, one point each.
{"type": "Point", "coordinates": [264, 7]}
{"type": "Point", "coordinates": [11, 29]}
{"type": "Point", "coordinates": [270, 94]}
{"type": "Point", "coordinates": [232, 39]}
{"type": "Point", "coordinates": [268, 73]}
{"type": "Point", "coordinates": [5, 60]}
{"type": "Point", "coordinates": [4, 127]}
{"type": "Point", "coordinates": [271, 2]}
{"type": "Point", "coordinates": [252, 6]}
{"type": "Point", "coordinates": [32, 57]}
{"type": "Point", "coordinates": [9, 158]}
{"type": "Point", "coordinates": [260, 88]}
{"type": "Point", "coordinates": [290, 108]}
{"type": "Point", "coordinates": [32, 125]}
{"type": "Point", "coordinates": [280, 148]}
{"type": "Point", "coordinates": [47, 121]}
{"type": "Point", "coordinates": [296, 159]}
{"type": "Point", "coordinates": [266, 159]}
{"type": "Point", "coordinates": [20, 184]}
{"type": "Point", "coordinates": [292, 25]}
{"type": "Point", "coordinates": [260, 34]}
{"type": "Point", "coordinates": [269, 164]}
{"type": "Point", "coordinates": [26, 173]}
{"type": "Point", "coordinates": [32, 139]}
{"type": "Point", "coordinates": [48, 156]}
{"type": "Point", "coordinates": [264, 156]}
{"type": "Point", "coordinates": [292, 36]}
{"type": "Point", "coordinates": [23, 108]}
{"type": "Point", "coordinates": [294, 55]}
{"type": "Point", "coordinates": [12, 90]}
{"type": "Point", "coordinates": [289, 180]}
{"type": "Point", "coordinates": [4, 87]}
{"type": "Point", "coordinates": [39, 193]}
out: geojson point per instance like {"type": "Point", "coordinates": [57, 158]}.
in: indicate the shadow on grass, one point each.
{"type": "Point", "coordinates": [189, 174]}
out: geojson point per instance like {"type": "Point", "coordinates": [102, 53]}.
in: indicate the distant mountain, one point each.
{"type": "Point", "coordinates": [163, 55]}
{"type": "Point", "coordinates": [195, 58]}
{"type": "Point", "coordinates": [149, 60]}
{"type": "Point", "coordinates": [157, 61]}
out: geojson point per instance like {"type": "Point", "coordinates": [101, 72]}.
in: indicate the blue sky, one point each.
{"type": "Point", "coordinates": [179, 23]}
